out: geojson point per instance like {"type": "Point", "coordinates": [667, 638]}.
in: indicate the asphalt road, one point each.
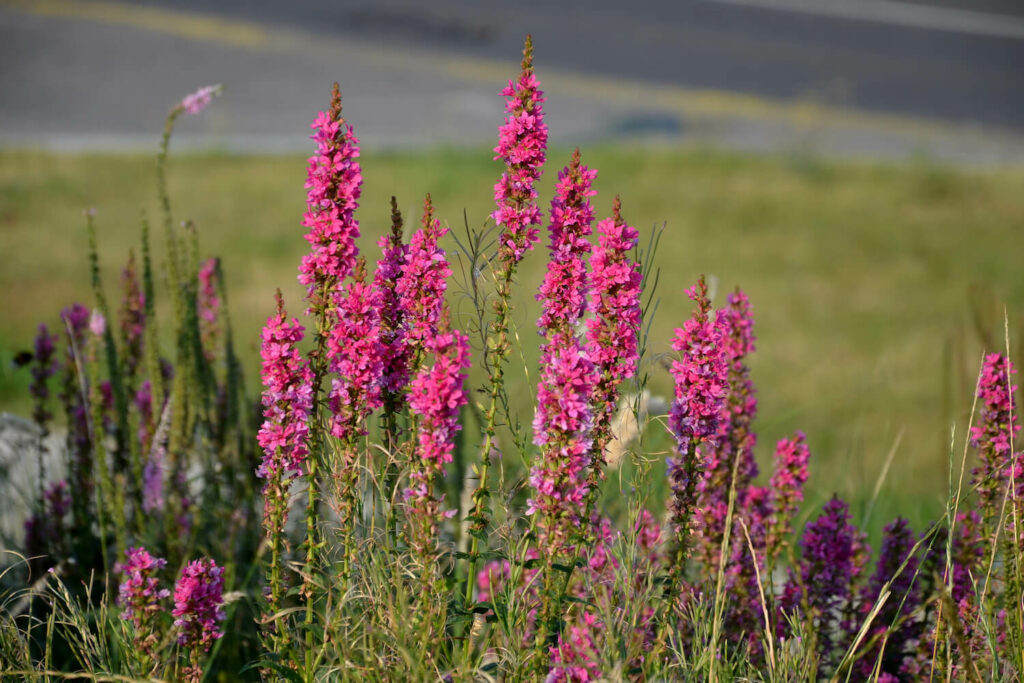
{"type": "Point", "coordinates": [874, 77]}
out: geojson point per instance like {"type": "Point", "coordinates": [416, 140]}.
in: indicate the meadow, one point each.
{"type": "Point", "coordinates": [420, 486]}
{"type": "Point", "coordinates": [876, 285]}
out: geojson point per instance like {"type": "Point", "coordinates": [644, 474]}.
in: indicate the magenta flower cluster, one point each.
{"type": "Point", "coordinates": [615, 304]}
{"type": "Point", "coordinates": [356, 357]}
{"type": "Point", "coordinates": [199, 604]}
{"type": "Point", "coordinates": [787, 488]}
{"type": "Point", "coordinates": [395, 352]}
{"type": "Point", "coordinates": [564, 290]}
{"type": "Point", "coordinates": [701, 387]}
{"type": "Point", "coordinates": [44, 365]}
{"type": "Point", "coordinates": [287, 397]}
{"type": "Point", "coordinates": [522, 145]}
{"type": "Point", "coordinates": [436, 395]}
{"type": "Point", "coordinates": [139, 593]}
{"type": "Point", "coordinates": [562, 428]}
{"type": "Point", "coordinates": [333, 190]}
{"type": "Point", "coordinates": [194, 103]}
{"type": "Point", "coordinates": [997, 426]}
{"type": "Point", "coordinates": [208, 304]}
{"type": "Point", "coordinates": [423, 283]}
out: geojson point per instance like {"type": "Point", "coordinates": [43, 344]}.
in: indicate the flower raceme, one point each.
{"type": "Point", "coordinates": [199, 604]}
{"type": "Point", "coordinates": [392, 315]}
{"type": "Point", "coordinates": [522, 145]}
{"type": "Point", "coordinates": [287, 396]}
{"type": "Point", "coordinates": [423, 283]}
{"type": "Point", "coordinates": [194, 103]}
{"type": "Point", "coordinates": [139, 593]}
{"type": "Point", "coordinates": [995, 434]}
{"type": "Point", "coordinates": [334, 186]}
{"type": "Point", "coordinates": [701, 387]}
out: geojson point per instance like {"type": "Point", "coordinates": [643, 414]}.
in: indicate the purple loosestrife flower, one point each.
{"type": "Point", "coordinates": [575, 658]}
{"type": "Point", "coordinates": [562, 428]}
{"type": "Point", "coordinates": [787, 491]}
{"type": "Point", "coordinates": [436, 395]}
{"type": "Point", "coordinates": [45, 529]}
{"type": "Point", "coordinates": [424, 280]}
{"type": "Point", "coordinates": [333, 186]}
{"type": "Point", "coordinates": [199, 604]}
{"type": "Point", "coordinates": [208, 305]}
{"type": "Point", "coordinates": [133, 317]}
{"type": "Point", "coordinates": [564, 290]}
{"type": "Point", "coordinates": [701, 386]}
{"type": "Point", "coordinates": [522, 143]}
{"type": "Point", "coordinates": [612, 332]}
{"type": "Point", "coordinates": [287, 397]}
{"type": "Point", "coordinates": [392, 314]}
{"type": "Point", "coordinates": [194, 103]}
{"type": "Point", "coordinates": [994, 434]}
{"type": "Point", "coordinates": [736, 439]}
{"type": "Point", "coordinates": [44, 365]}
{"type": "Point", "coordinates": [832, 558]}
{"type": "Point", "coordinates": [898, 541]}
{"type": "Point", "coordinates": [356, 356]}
{"type": "Point", "coordinates": [75, 319]}
{"type": "Point", "coordinates": [140, 594]}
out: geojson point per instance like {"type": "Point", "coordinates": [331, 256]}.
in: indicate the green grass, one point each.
{"type": "Point", "coordinates": [866, 279]}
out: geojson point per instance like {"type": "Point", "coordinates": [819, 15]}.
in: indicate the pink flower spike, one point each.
{"type": "Point", "coordinates": [97, 323]}
{"type": "Point", "coordinates": [199, 604]}
{"type": "Point", "coordinates": [200, 99]}
{"type": "Point", "coordinates": [522, 144]}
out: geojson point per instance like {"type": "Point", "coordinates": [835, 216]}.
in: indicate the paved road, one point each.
{"type": "Point", "coordinates": [874, 77]}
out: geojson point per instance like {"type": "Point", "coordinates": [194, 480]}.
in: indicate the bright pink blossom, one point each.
{"type": "Point", "coordinates": [333, 186]}
{"type": "Point", "coordinates": [424, 280]}
{"type": "Point", "coordinates": [194, 103]}
{"type": "Point", "coordinates": [522, 144]}
{"type": "Point", "coordinates": [392, 315]}
{"type": "Point", "coordinates": [287, 396]}
{"type": "Point", "coordinates": [199, 604]}
{"type": "Point", "coordinates": [140, 594]}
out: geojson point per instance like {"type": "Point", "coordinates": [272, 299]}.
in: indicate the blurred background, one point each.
{"type": "Point", "coordinates": [855, 166]}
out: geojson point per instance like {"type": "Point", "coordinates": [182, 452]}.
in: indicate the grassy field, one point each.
{"type": "Point", "coordinates": [874, 287]}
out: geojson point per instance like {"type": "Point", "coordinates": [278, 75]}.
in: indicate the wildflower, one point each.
{"type": "Point", "coordinates": [97, 323]}
{"type": "Point", "coordinates": [194, 103]}
{"type": "Point", "coordinates": [44, 365]}
{"type": "Point", "coordinates": [787, 491]}
{"type": "Point", "coordinates": [139, 593]}
{"type": "Point", "coordinates": [995, 434]}
{"type": "Point", "coordinates": [701, 386]}
{"type": "Point", "coordinates": [562, 429]}
{"type": "Point", "coordinates": [333, 188]}
{"type": "Point", "coordinates": [832, 558]}
{"type": "Point", "coordinates": [356, 356]}
{"type": "Point", "coordinates": [45, 530]}
{"type": "Point", "coordinates": [564, 290]}
{"type": "Point", "coordinates": [613, 330]}
{"type": "Point", "coordinates": [522, 144]}
{"type": "Point", "coordinates": [436, 395]}
{"type": "Point", "coordinates": [392, 315]}
{"type": "Point", "coordinates": [199, 604]}
{"type": "Point", "coordinates": [575, 658]}
{"type": "Point", "coordinates": [287, 397]}
{"type": "Point", "coordinates": [208, 305]}
{"type": "Point", "coordinates": [133, 317]}
{"type": "Point", "coordinates": [423, 283]}
{"type": "Point", "coordinates": [897, 566]}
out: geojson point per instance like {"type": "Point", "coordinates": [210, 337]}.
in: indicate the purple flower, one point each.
{"type": "Point", "coordinates": [832, 558]}
{"type": "Point", "coordinates": [194, 103]}
{"type": "Point", "coordinates": [198, 604]}
{"type": "Point", "coordinates": [140, 594]}
{"type": "Point", "coordinates": [562, 428]}
{"type": "Point", "coordinates": [133, 316]}
{"type": "Point", "coordinates": [208, 305]}
{"type": "Point", "coordinates": [564, 290]}
{"type": "Point", "coordinates": [896, 615]}
{"type": "Point", "coordinates": [287, 397]}
{"type": "Point", "coordinates": [424, 281]}
{"type": "Point", "coordinates": [995, 433]}
{"type": "Point", "coordinates": [574, 660]}
{"type": "Point", "coordinates": [522, 143]}
{"type": "Point", "coordinates": [44, 365]}
{"type": "Point", "coordinates": [333, 186]}
{"type": "Point", "coordinates": [392, 313]}
{"type": "Point", "coordinates": [45, 529]}
{"type": "Point", "coordinates": [787, 490]}
{"type": "Point", "coordinates": [436, 395]}
{"type": "Point", "coordinates": [356, 356]}
{"type": "Point", "coordinates": [701, 386]}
